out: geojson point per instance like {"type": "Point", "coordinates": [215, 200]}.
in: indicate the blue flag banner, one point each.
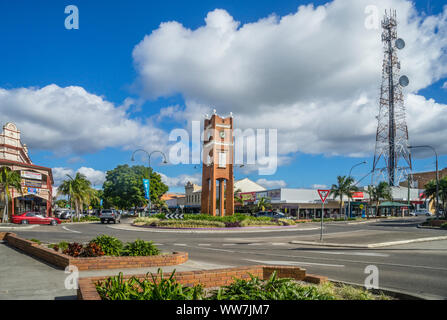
{"type": "Point", "coordinates": [146, 188]}
{"type": "Point", "coordinates": [100, 202]}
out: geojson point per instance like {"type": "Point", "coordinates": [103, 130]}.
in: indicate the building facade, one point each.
{"type": "Point", "coordinates": [36, 193]}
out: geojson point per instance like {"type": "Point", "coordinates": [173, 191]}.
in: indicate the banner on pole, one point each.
{"type": "Point", "coordinates": [146, 188]}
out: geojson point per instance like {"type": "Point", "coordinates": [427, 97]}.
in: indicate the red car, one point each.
{"type": "Point", "coordinates": [30, 217]}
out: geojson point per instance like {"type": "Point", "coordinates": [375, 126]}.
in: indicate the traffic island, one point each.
{"type": "Point", "coordinates": [207, 278]}
{"type": "Point", "coordinates": [62, 260]}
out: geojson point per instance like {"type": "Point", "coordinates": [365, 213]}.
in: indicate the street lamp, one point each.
{"type": "Point", "coordinates": [349, 198]}
{"type": "Point", "coordinates": [149, 163]}
{"type": "Point", "coordinates": [437, 175]}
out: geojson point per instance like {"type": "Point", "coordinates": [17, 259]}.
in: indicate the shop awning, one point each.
{"type": "Point", "coordinates": [392, 204]}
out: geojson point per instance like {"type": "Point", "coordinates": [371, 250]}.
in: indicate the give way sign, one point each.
{"type": "Point", "coordinates": [323, 194]}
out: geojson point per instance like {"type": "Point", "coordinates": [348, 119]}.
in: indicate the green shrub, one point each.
{"type": "Point", "coordinates": [36, 241]}
{"type": "Point", "coordinates": [191, 224]}
{"type": "Point", "coordinates": [272, 289]}
{"type": "Point", "coordinates": [116, 288]}
{"type": "Point", "coordinates": [110, 245]}
{"type": "Point", "coordinates": [444, 225]}
{"type": "Point", "coordinates": [146, 221]}
{"type": "Point", "coordinates": [140, 248]}
{"type": "Point", "coordinates": [287, 222]}
{"type": "Point", "coordinates": [258, 222]}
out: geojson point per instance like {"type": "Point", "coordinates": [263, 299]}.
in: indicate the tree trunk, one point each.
{"type": "Point", "coordinates": [377, 209]}
{"type": "Point", "coordinates": [5, 210]}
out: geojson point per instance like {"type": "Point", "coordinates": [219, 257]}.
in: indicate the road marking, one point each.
{"type": "Point", "coordinates": [180, 244]}
{"type": "Point", "coordinates": [229, 244]}
{"type": "Point", "coordinates": [368, 254]}
{"type": "Point", "coordinates": [65, 228]}
{"type": "Point", "coordinates": [300, 263]}
{"type": "Point", "coordinates": [279, 243]}
{"type": "Point", "coordinates": [204, 244]}
{"type": "Point", "coordinates": [159, 244]}
{"type": "Point", "coordinates": [255, 244]}
{"type": "Point", "coordinates": [219, 250]}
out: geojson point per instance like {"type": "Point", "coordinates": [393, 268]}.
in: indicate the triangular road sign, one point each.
{"type": "Point", "coordinates": [323, 194]}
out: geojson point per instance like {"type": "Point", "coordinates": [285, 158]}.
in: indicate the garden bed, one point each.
{"type": "Point", "coordinates": [62, 260]}
{"type": "Point", "coordinates": [242, 283]}
{"type": "Point", "coordinates": [435, 223]}
{"type": "Point", "coordinates": [204, 221]}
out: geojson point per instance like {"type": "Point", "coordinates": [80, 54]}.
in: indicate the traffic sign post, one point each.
{"type": "Point", "coordinates": [323, 195]}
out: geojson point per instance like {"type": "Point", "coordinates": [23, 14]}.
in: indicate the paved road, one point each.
{"type": "Point", "coordinates": [419, 268]}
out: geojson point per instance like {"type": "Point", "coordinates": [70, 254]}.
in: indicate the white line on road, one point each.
{"type": "Point", "coordinates": [279, 243]}
{"type": "Point", "coordinates": [368, 254]}
{"type": "Point", "coordinates": [65, 228]}
{"type": "Point", "coordinates": [204, 244]}
{"type": "Point", "coordinates": [255, 244]}
{"type": "Point", "coordinates": [292, 263]}
{"type": "Point", "coordinates": [229, 244]}
{"type": "Point", "coordinates": [180, 244]}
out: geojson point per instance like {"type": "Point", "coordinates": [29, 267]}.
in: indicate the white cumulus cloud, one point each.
{"type": "Point", "coordinates": [313, 74]}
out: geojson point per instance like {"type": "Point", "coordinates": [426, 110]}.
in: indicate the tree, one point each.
{"type": "Point", "coordinates": [263, 203]}
{"type": "Point", "coordinates": [344, 187]}
{"type": "Point", "coordinates": [376, 193]}
{"type": "Point", "coordinates": [78, 190]}
{"type": "Point", "coordinates": [124, 188]}
{"type": "Point", "coordinates": [430, 192]}
{"type": "Point", "coordinates": [238, 197]}
{"type": "Point", "coordinates": [9, 179]}
{"type": "Point", "coordinates": [61, 203]}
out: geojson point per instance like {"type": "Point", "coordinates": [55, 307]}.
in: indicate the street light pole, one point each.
{"type": "Point", "coordinates": [149, 163]}
{"type": "Point", "coordinates": [437, 175]}
{"type": "Point", "coordinates": [349, 198]}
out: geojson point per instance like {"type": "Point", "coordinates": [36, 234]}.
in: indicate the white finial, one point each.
{"type": "Point", "coordinates": [214, 111]}
{"type": "Point", "coordinates": [231, 114]}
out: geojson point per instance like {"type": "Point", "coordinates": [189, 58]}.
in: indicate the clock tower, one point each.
{"type": "Point", "coordinates": [217, 172]}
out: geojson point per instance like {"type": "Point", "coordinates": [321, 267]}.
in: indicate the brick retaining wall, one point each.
{"type": "Point", "coordinates": [208, 278]}
{"type": "Point", "coordinates": [105, 262]}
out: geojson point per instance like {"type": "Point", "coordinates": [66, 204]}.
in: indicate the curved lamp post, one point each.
{"type": "Point", "coordinates": [349, 198]}
{"type": "Point", "coordinates": [149, 163]}
{"type": "Point", "coordinates": [437, 175]}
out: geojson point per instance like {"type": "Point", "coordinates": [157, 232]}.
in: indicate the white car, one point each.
{"type": "Point", "coordinates": [422, 212]}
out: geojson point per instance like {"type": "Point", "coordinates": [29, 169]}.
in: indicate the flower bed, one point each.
{"type": "Point", "coordinates": [265, 283]}
{"type": "Point", "coordinates": [208, 221]}
{"type": "Point", "coordinates": [93, 261]}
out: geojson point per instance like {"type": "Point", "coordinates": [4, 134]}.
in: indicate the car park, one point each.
{"type": "Point", "coordinates": [31, 217]}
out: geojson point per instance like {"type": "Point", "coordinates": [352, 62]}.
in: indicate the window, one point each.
{"type": "Point", "coordinates": [30, 214]}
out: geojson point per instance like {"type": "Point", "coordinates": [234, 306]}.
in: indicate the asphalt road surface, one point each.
{"type": "Point", "coordinates": [416, 268]}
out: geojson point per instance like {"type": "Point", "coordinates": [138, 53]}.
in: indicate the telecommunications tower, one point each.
{"type": "Point", "coordinates": [392, 158]}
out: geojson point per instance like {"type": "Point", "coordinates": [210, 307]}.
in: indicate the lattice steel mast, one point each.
{"type": "Point", "coordinates": [392, 158]}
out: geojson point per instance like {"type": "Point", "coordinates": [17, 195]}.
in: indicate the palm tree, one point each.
{"type": "Point", "coordinates": [237, 198]}
{"type": "Point", "coordinates": [376, 193]}
{"type": "Point", "coordinates": [430, 191]}
{"type": "Point", "coordinates": [9, 179]}
{"type": "Point", "coordinates": [263, 203]}
{"type": "Point", "coordinates": [78, 190]}
{"type": "Point", "coordinates": [345, 186]}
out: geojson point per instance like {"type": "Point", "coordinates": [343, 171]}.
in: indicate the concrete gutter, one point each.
{"type": "Point", "coordinates": [370, 245]}
{"type": "Point", "coordinates": [395, 293]}
{"type": "Point", "coordinates": [17, 227]}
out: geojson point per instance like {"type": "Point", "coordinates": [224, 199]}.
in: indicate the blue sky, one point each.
{"type": "Point", "coordinates": [38, 51]}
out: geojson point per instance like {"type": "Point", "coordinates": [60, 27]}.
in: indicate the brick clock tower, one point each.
{"type": "Point", "coordinates": [217, 172]}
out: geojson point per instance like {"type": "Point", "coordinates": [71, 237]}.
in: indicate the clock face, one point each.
{"type": "Point", "coordinates": [222, 134]}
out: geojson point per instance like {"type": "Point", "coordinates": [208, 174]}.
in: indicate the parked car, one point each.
{"type": "Point", "coordinates": [271, 214]}
{"type": "Point", "coordinates": [110, 215]}
{"type": "Point", "coordinates": [421, 212]}
{"type": "Point", "coordinates": [31, 217]}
